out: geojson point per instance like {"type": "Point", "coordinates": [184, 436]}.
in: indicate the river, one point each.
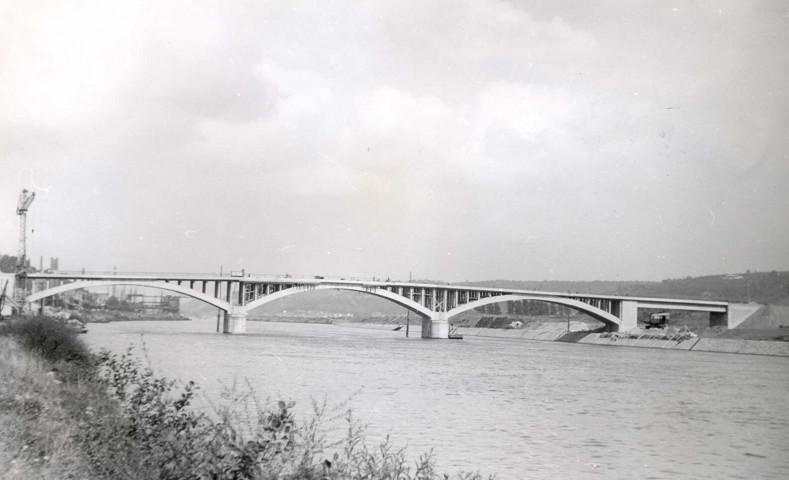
{"type": "Point", "coordinates": [517, 408]}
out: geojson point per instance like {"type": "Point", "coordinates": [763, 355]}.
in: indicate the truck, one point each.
{"type": "Point", "coordinates": [658, 320]}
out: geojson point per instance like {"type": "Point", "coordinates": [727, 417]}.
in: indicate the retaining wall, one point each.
{"type": "Point", "coordinates": [720, 345]}
{"type": "Point", "coordinates": [752, 347]}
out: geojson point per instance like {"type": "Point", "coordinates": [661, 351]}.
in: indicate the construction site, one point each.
{"type": "Point", "coordinates": [87, 305]}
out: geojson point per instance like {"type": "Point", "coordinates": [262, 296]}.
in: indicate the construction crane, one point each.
{"type": "Point", "coordinates": [20, 282]}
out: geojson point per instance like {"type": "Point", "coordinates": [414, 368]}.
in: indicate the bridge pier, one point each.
{"type": "Point", "coordinates": [628, 315]}
{"type": "Point", "coordinates": [235, 321]}
{"type": "Point", "coordinates": [436, 326]}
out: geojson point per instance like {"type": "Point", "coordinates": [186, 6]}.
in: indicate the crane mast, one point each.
{"type": "Point", "coordinates": [20, 282]}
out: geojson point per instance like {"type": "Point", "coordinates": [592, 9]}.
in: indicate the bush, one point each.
{"type": "Point", "coordinates": [122, 421]}
{"type": "Point", "coordinates": [49, 338]}
{"type": "Point", "coordinates": [244, 440]}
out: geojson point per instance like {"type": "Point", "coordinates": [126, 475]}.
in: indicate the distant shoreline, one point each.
{"type": "Point", "coordinates": [697, 344]}
{"type": "Point", "coordinates": [108, 316]}
{"type": "Point", "coordinates": [554, 331]}
{"type": "Point", "coordinates": [559, 334]}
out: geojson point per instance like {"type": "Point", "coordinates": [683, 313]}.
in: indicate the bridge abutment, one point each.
{"type": "Point", "coordinates": [735, 314]}
{"type": "Point", "coordinates": [719, 319]}
{"type": "Point", "coordinates": [235, 321]}
{"type": "Point", "coordinates": [436, 326]}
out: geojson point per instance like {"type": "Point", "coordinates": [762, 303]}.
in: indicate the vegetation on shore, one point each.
{"type": "Point", "coordinates": [106, 316]}
{"type": "Point", "coordinates": [66, 412]}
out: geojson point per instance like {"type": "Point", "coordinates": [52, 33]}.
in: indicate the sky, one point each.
{"type": "Point", "coordinates": [447, 140]}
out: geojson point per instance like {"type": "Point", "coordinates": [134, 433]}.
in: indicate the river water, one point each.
{"type": "Point", "coordinates": [517, 408]}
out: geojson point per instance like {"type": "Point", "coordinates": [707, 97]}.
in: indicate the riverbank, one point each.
{"type": "Point", "coordinates": [66, 412]}
{"type": "Point", "coordinates": [105, 316]}
{"type": "Point", "coordinates": [639, 339]}
{"type": "Point", "coordinates": [671, 338]}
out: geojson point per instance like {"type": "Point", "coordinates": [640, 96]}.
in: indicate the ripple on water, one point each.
{"type": "Point", "coordinates": [518, 408]}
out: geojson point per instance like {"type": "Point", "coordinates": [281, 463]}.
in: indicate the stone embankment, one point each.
{"type": "Point", "coordinates": [753, 347]}
{"type": "Point", "coordinates": [672, 339]}
{"type": "Point", "coordinates": [637, 339]}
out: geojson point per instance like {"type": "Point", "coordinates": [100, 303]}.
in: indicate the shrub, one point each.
{"type": "Point", "coordinates": [122, 421]}
{"type": "Point", "coordinates": [244, 439]}
{"type": "Point", "coordinates": [49, 338]}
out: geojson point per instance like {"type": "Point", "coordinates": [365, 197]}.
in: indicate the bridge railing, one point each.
{"type": "Point", "coordinates": [229, 275]}
{"type": "Point", "coordinates": [279, 276]}
{"type": "Point", "coordinates": [107, 273]}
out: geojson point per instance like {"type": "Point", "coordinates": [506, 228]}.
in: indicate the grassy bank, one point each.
{"type": "Point", "coordinates": [66, 412]}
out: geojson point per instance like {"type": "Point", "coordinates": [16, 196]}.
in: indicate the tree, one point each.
{"type": "Point", "coordinates": [7, 264]}
{"type": "Point", "coordinates": [113, 303]}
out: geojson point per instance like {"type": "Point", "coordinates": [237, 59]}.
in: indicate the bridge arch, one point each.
{"type": "Point", "coordinates": [378, 292]}
{"type": "Point", "coordinates": [189, 292]}
{"type": "Point", "coordinates": [594, 312]}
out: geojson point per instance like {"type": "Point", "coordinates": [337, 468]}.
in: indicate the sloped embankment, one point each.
{"type": "Point", "coordinates": [673, 338]}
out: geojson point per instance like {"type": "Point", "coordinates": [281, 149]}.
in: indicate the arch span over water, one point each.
{"type": "Point", "coordinates": [594, 312]}
{"type": "Point", "coordinates": [189, 292]}
{"type": "Point", "coordinates": [378, 292]}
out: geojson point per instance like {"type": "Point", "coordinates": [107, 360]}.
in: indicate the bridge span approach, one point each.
{"type": "Point", "coordinates": [236, 295]}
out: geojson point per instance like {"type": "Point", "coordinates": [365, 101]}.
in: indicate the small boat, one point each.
{"type": "Point", "coordinates": [76, 326]}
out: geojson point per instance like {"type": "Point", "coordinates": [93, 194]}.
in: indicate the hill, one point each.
{"type": "Point", "coordinates": [759, 287]}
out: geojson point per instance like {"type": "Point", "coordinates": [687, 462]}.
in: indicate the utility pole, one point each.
{"type": "Point", "coordinates": [748, 284]}
{"type": "Point", "coordinates": [408, 314]}
{"type": "Point", "coordinates": [219, 310]}
{"type": "Point", "coordinates": [20, 280]}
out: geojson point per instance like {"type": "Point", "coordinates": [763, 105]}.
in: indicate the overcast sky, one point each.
{"type": "Point", "coordinates": [458, 140]}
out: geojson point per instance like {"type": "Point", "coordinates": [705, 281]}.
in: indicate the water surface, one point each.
{"type": "Point", "coordinates": [517, 408]}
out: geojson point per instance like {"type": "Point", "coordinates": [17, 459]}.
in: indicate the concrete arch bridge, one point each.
{"type": "Point", "coordinates": [236, 295]}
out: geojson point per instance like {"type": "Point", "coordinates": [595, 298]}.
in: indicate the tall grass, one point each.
{"type": "Point", "coordinates": [49, 338]}
{"type": "Point", "coordinates": [110, 417]}
{"type": "Point", "coordinates": [37, 430]}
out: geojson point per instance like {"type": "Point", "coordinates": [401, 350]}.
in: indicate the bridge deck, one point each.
{"type": "Point", "coordinates": [644, 302]}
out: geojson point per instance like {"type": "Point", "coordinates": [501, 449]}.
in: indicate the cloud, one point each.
{"type": "Point", "coordinates": [420, 126]}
